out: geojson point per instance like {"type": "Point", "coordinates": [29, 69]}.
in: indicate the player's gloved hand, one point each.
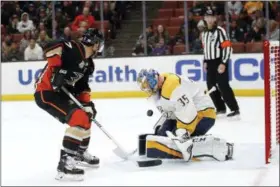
{"type": "Point", "coordinates": [58, 78]}
{"type": "Point", "coordinates": [169, 114]}
{"type": "Point", "coordinates": [90, 109]}
{"type": "Point", "coordinates": [183, 134]}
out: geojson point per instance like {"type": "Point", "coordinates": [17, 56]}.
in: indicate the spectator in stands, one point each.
{"type": "Point", "coordinates": [69, 10]}
{"type": "Point", "coordinates": [60, 18]}
{"type": "Point", "coordinates": [12, 27]}
{"type": "Point", "coordinates": [44, 17]}
{"type": "Point", "coordinates": [82, 28]}
{"type": "Point", "coordinates": [5, 47]}
{"type": "Point", "coordinates": [180, 36]}
{"type": "Point", "coordinates": [89, 5]}
{"type": "Point", "coordinates": [252, 6]}
{"type": "Point", "coordinates": [7, 10]}
{"type": "Point", "coordinates": [218, 7]}
{"type": "Point", "coordinates": [18, 11]}
{"type": "Point", "coordinates": [25, 24]}
{"type": "Point", "coordinates": [236, 33]}
{"type": "Point", "coordinates": [121, 7]}
{"type": "Point", "coordinates": [197, 44]}
{"type": "Point", "coordinates": [49, 9]}
{"type": "Point", "coordinates": [89, 19]}
{"type": "Point", "coordinates": [255, 16]}
{"type": "Point", "coordinates": [234, 8]}
{"type": "Point", "coordinates": [57, 33]}
{"type": "Point", "coordinates": [32, 13]}
{"type": "Point", "coordinates": [198, 8]}
{"type": "Point", "coordinates": [149, 35]}
{"type": "Point", "coordinates": [161, 48]}
{"type": "Point", "coordinates": [261, 24]}
{"type": "Point", "coordinates": [255, 34]}
{"type": "Point", "coordinates": [42, 27]}
{"type": "Point", "coordinates": [24, 42]}
{"type": "Point", "coordinates": [96, 9]}
{"type": "Point", "coordinates": [161, 33]}
{"type": "Point", "coordinates": [220, 21]}
{"type": "Point", "coordinates": [33, 51]}
{"type": "Point", "coordinates": [274, 30]}
{"type": "Point", "coordinates": [43, 39]}
{"type": "Point", "coordinates": [139, 49]}
{"type": "Point", "coordinates": [111, 17]}
{"type": "Point", "coordinates": [12, 54]}
{"type": "Point", "coordinates": [66, 34]}
{"type": "Point", "coordinates": [242, 22]}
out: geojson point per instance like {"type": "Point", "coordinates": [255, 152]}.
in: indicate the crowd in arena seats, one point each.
{"type": "Point", "coordinates": [247, 27]}
{"type": "Point", "coordinates": [26, 26]}
{"type": "Point", "coordinates": [26, 22]}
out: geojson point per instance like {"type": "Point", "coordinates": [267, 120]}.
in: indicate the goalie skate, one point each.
{"type": "Point", "coordinates": [85, 159]}
{"type": "Point", "coordinates": [67, 169]}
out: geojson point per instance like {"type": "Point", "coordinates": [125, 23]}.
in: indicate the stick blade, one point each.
{"type": "Point", "coordinates": [120, 154]}
{"type": "Point", "coordinates": [149, 163]}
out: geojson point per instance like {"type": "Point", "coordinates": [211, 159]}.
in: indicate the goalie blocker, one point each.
{"type": "Point", "coordinates": [154, 146]}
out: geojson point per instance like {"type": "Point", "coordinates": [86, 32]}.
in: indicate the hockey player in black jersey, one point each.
{"type": "Point", "coordinates": [70, 64]}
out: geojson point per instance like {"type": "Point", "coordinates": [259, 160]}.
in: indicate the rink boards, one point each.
{"type": "Point", "coordinates": [116, 77]}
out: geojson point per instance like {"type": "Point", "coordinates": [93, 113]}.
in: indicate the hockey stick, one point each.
{"type": "Point", "coordinates": [119, 149]}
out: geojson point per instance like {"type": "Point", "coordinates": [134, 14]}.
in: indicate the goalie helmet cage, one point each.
{"type": "Point", "coordinates": [271, 98]}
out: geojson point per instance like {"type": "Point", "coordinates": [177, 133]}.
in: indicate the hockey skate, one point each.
{"type": "Point", "coordinates": [67, 168]}
{"type": "Point", "coordinates": [234, 115]}
{"type": "Point", "coordinates": [85, 159]}
{"type": "Point", "coordinates": [221, 114]}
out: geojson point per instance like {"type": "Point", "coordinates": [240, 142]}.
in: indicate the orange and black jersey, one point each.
{"type": "Point", "coordinates": [70, 56]}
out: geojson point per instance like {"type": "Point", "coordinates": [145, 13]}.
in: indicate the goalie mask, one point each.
{"type": "Point", "coordinates": [148, 81]}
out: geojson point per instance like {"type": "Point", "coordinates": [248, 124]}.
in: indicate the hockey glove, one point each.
{"type": "Point", "coordinates": [58, 78]}
{"type": "Point", "coordinates": [90, 109]}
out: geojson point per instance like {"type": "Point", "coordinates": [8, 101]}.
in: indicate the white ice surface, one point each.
{"type": "Point", "coordinates": [31, 141]}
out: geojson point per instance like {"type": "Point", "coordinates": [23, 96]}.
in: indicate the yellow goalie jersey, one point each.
{"type": "Point", "coordinates": [185, 100]}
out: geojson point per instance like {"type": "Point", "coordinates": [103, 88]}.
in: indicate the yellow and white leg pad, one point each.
{"type": "Point", "coordinates": [153, 146]}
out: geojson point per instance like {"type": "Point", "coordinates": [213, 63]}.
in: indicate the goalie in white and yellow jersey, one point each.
{"type": "Point", "coordinates": [187, 115]}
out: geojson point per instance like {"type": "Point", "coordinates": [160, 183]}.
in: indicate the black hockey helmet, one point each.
{"type": "Point", "coordinates": [92, 36]}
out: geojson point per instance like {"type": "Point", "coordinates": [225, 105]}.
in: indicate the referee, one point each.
{"type": "Point", "coordinates": [217, 51]}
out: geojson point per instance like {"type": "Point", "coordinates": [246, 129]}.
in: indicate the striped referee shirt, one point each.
{"type": "Point", "coordinates": [216, 44]}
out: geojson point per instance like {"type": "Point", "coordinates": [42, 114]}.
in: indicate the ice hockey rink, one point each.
{"type": "Point", "coordinates": [31, 140]}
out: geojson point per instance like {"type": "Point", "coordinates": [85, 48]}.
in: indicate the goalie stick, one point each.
{"type": "Point", "coordinates": [119, 151]}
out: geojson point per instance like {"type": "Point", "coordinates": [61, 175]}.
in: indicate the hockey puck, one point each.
{"type": "Point", "coordinates": [150, 113]}
{"type": "Point", "coordinates": [149, 163]}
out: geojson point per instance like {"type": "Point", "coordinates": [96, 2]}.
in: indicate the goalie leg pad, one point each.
{"type": "Point", "coordinates": [161, 147]}
{"type": "Point", "coordinates": [210, 146]}
{"type": "Point", "coordinates": [203, 146]}
{"type": "Point", "coordinates": [142, 144]}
